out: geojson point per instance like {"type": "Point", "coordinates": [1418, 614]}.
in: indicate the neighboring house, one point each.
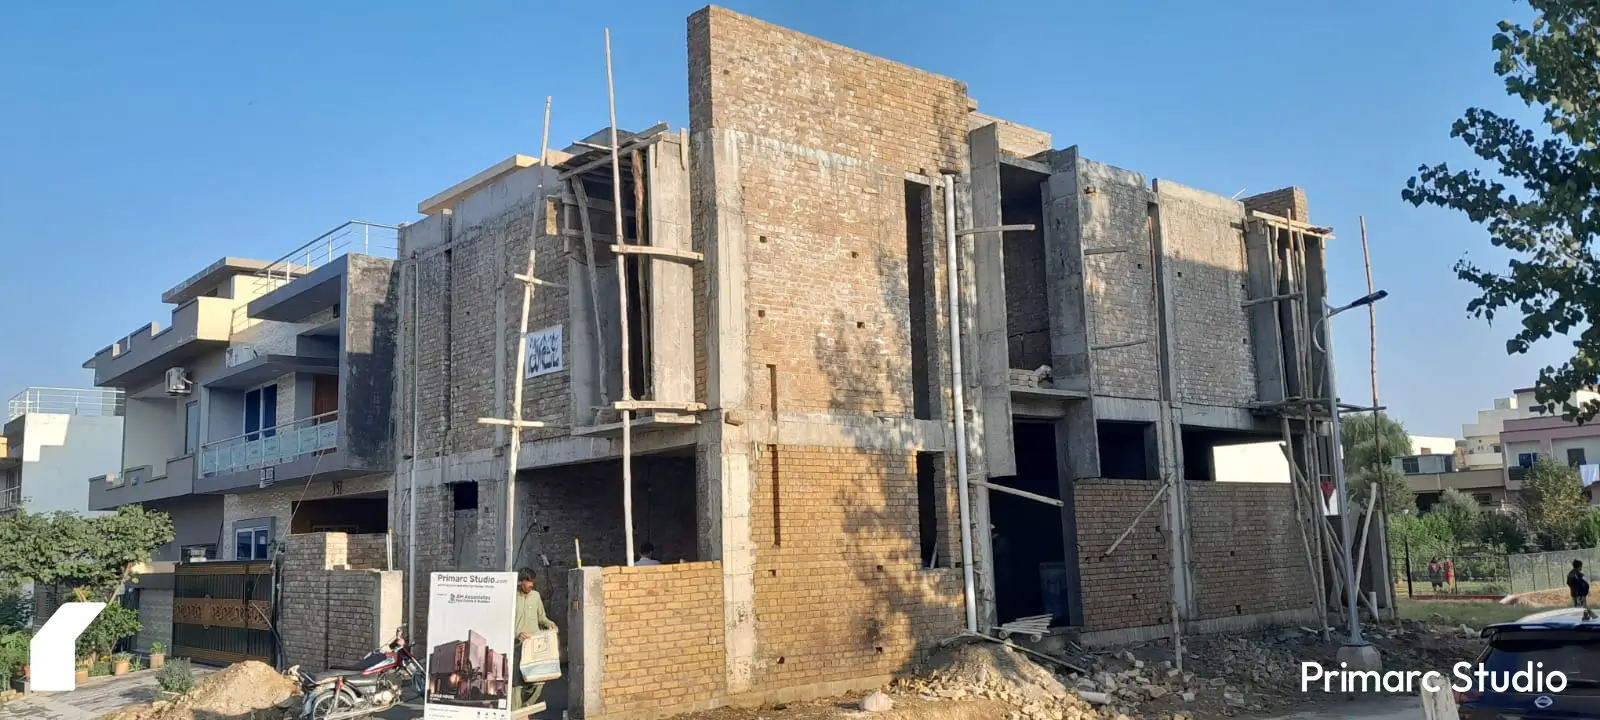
{"type": "Point", "coordinates": [233, 413]}
{"type": "Point", "coordinates": [792, 439]}
{"type": "Point", "coordinates": [1483, 445]}
{"type": "Point", "coordinates": [1527, 440]}
{"type": "Point", "coordinates": [54, 438]}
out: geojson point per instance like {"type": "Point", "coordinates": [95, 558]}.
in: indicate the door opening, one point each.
{"type": "Point", "coordinates": [1029, 558]}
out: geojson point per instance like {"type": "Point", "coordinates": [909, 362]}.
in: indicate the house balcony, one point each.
{"type": "Point", "coordinates": [139, 484]}
{"type": "Point", "coordinates": [307, 448]}
{"type": "Point", "coordinates": [199, 325]}
{"type": "Point", "coordinates": [11, 499]}
{"type": "Point", "coordinates": [323, 266]}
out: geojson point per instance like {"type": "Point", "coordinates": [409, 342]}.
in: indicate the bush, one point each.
{"type": "Point", "coordinates": [13, 651]}
{"type": "Point", "coordinates": [113, 623]}
{"type": "Point", "coordinates": [176, 677]}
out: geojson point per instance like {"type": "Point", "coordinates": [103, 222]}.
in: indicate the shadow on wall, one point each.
{"type": "Point", "coordinates": [883, 609]}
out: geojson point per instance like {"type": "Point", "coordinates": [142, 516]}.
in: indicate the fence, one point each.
{"type": "Point", "coordinates": [66, 401]}
{"type": "Point", "coordinates": [1492, 574]}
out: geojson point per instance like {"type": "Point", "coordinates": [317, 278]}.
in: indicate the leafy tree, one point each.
{"type": "Point", "coordinates": [1370, 441]}
{"type": "Point", "coordinates": [114, 623]}
{"type": "Point", "coordinates": [1503, 533]}
{"type": "Point", "coordinates": [1460, 512]}
{"type": "Point", "coordinates": [97, 554]}
{"type": "Point", "coordinates": [1553, 505]}
{"type": "Point", "coordinates": [1539, 200]}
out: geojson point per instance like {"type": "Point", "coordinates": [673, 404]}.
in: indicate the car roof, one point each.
{"type": "Point", "coordinates": [1558, 619]}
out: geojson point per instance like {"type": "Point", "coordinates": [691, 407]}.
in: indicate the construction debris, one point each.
{"type": "Point", "coordinates": [243, 691]}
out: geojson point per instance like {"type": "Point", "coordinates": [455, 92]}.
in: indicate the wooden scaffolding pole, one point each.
{"type": "Point", "coordinates": [515, 424]}
{"type": "Point", "coordinates": [622, 314]}
{"type": "Point", "coordinates": [1377, 437]}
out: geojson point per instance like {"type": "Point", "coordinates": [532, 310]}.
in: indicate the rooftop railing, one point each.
{"type": "Point", "coordinates": [353, 236]}
{"type": "Point", "coordinates": [102, 402]}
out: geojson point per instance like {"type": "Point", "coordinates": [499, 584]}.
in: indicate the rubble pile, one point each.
{"type": "Point", "coordinates": [243, 691]}
{"type": "Point", "coordinates": [995, 672]}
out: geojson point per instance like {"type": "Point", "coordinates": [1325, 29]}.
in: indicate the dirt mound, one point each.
{"type": "Point", "coordinates": [1544, 598]}
{"type": "Point", "coordinates": [244, 691]}
{"type": "Point", "coordinates": [988, 671]}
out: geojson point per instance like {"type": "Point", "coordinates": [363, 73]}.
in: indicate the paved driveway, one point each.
{"type": "Point", "coordinates": [93, 699]}
{"type": "Point", "coordinates": [1389, 708]}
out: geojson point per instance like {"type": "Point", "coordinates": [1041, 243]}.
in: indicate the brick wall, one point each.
{"type": "Point", "coordinates": [1133, 587]}
{"type": "Point", "coordinates": [663, 638]}
{"type": "Point", "coordinates": [1119, 283]}
{"type": "Point", "coordinates": [1248, 558]}
{"type": "Point", "coordinates": [584, 502]}
{"type": "Point", "coordinates": [1203, 238]}
{"type": "Point", "coordinates": [822, 164]}
{"type": "Point", "coordinates": [1281, 202]}
{"type": "Point", "coordinates": [839, 589]}
{"type": "Point", "coordinates": [459, 288]}
{"type": "Point", "coordinates": [330, 606]}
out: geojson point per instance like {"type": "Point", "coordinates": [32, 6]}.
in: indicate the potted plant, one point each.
{"type": "Point", "coordinates": [121, 663]}
{"type": "Point", "coordinates": [158, 655]}
{"type": "Point", "coordinates": [82, 674]}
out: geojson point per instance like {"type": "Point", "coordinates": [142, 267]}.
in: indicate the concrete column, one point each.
{"type": "Point", "coordinates": [992, 362]}
{"type": "Point", "coordinates": [671, 283]}
{"type": "Point", "coordinates": [725, 452]}
{"type": "Point", "coordinates": [1169, 430]}
{"type": "Point", "coordinates": [1070, 328]}
{"type": "Point", "coordinates": [586, 641]}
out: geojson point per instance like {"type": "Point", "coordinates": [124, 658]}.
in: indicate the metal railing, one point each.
{"type": "Point", "coordinates": [102, 402]}
{"type": "Point", "coordinates": [10, 498]}
{"type": "Point", "coordinates": [353, 236]}
{"type": "Point", "coordinates": [270, 446]}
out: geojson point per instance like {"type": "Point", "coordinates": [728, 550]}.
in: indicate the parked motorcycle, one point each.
{"type": "Point", "coordinates": [378, 685]}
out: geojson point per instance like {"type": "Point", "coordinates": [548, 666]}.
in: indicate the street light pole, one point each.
{"type": "Point", "coordinates": [1346, 520]}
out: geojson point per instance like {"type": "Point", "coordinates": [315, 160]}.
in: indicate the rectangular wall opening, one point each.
{"type": "Point", "coordinates": [1220, 455]}
{"type": "Point", "coordinates": [592, 194]}
{"type": "Point", "coordinates": [356, 514]}
{"type": "Point", "coordinates": [928, 510]}
{"type": "Point", "coordinates": [1029, 557]}
{"type": "Point", "coordinates": [917, 208]}
{"type": "Point", "coordinates": [1027, 311]}
{"type": "Point", "coordinates": [464, 534]}
{"type": "Point", "coordinates": [1128, 450]}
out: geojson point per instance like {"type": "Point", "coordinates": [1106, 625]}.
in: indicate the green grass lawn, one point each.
{"type": "Point", "coordinates": [1471, 614]}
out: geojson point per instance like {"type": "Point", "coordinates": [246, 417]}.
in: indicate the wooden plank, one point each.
{"type": "Point", "coordinates": [659, 252]}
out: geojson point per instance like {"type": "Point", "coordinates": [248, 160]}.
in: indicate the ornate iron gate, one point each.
{"type": "Point", "coordinates": [222, 612]}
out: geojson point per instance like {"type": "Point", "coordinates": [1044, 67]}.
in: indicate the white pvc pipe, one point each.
{"type": "Point", "coordinates": [411, 501]}
{"type": "Point", "coordinates": [952, 262]}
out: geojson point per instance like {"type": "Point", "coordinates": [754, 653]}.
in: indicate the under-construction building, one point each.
{"type": "Point", "coordinates": [748, 325]}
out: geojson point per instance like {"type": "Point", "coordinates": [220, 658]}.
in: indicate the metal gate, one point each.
{"type": "Point", "coordinates": [222, 612]}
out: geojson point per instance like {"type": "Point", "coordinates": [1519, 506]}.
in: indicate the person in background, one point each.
{"type": "Point", "coordinates": [530, 619]}
{"type": "Point", "coordinates": [1449, 573]}
{"type": "Point", "coordinates": [647, 555]}
{"type": "Point", "coordinates": [1578, 585]}
{"type": "Point", "coordinates": [1435, 574]}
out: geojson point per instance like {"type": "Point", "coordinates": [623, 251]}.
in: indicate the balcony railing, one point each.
{"type": "Point", "coordinates": [10, 498]}
{"type": "Point", "coordinates": [354, 236]}
{"type": "Point", "coordinates": [102, 402]}
{"type": "Point", "coordinates": [271, 446]}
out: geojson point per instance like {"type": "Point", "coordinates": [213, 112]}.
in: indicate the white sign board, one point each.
{"type": "Point", "coordinates": [471, 631]}
{"type": "Point", "coordinates": [545, 353]}
{"type": "Point", "coordinates": [53, 651]}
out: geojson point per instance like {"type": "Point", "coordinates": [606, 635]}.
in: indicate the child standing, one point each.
{"type": "Point", "coordinates": [1578, 584]}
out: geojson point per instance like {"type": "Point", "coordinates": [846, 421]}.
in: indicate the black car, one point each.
{"type": "Point", "coordinates": [1565, 640]}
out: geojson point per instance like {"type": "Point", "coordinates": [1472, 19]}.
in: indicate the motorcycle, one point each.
{"type": "Point", "coordinates": [378, 684]}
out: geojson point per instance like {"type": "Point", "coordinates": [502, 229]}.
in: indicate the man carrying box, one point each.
{"type": "Point", "coordinates": [534, 628]}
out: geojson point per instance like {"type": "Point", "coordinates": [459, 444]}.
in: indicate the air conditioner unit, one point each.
{"type": "Point", "coordinates": [239, 354]}
{"type": "Point", "coordinates": [177, 381]}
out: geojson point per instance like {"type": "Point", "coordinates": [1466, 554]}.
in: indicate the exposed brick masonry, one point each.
{"type": "Point", "coordinates": [1247, 559]}
{"type": "Point", "coordinates": [1133, 587]}
{"type": "Point", "coordinates": [663, 638]}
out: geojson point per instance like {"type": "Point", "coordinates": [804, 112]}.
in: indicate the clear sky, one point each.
{"type": "Point", "coordinates": [140, 142]}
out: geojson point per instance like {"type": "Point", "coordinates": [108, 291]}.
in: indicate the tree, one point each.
{"type": "Point", "coordinates": [1460, 512]}
{"type": "Point", "coordinates": [1369, 442]}
{"type": "Point", "coordinates": [1549, 225]}
{"type": "Point", "coordinates": [97, 554]}
{"type": "Point", "coordinates": [1553, 504]}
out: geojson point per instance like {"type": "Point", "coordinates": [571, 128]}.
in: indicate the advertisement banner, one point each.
{"type": "Point", "coordinates": [471, 619]}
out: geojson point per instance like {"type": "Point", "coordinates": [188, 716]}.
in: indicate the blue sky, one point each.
{"type": "Point", "coordinates": [142, 141]}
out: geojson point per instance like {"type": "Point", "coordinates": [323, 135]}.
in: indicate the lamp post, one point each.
{"type": "Point", "coordinates": [1354, 640]}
